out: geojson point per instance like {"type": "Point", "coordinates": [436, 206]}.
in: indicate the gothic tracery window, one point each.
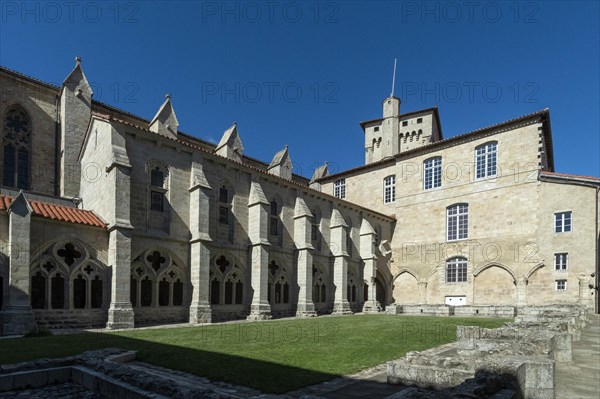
{"type": "Point", "coordinates": [226, 282]}
{"type": "Point", "coordinates": [67, 276]}
{"type": "Point", "coordinates": [156, 280]}
{"type": "Point", "coordinates": [319, 285]}
{"type": "Point", "coordinates": [279, 287]}
{"type": "Point", "coordinates": [16, 142]}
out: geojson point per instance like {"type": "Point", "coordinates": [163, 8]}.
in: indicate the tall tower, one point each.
{"type": "Point", "coordinates": [389, 126]}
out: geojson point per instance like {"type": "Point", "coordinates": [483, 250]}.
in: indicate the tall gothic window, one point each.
{"type": "Point", "coordinates": [16, 141]}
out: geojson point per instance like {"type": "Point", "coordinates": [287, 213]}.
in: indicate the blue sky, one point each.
{"type": "Point", "coordinates": [304, 73]}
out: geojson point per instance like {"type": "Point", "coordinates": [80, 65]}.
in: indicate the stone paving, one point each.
{"type": "Point", "coordinates": [58, 391]}
{"type": "Point", "coordinates": [581, 379]}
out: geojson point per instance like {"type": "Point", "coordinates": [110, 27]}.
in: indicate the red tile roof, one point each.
{"type": "Point", "coordinates": [57, 212]}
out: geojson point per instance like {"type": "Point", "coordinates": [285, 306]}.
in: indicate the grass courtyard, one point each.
{"type": "Point", "coordinates": [272, 356]}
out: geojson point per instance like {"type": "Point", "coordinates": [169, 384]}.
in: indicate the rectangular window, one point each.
{"type": "Point", "coordinates": [339, 188]}
{"type": "Point", "coordinates": [561, 285]}
{"type": "Point", "coordinates": [157, 201]}
{"type": "Point", "coordinates": [561, 261]}
{"type": "Point", "coordinates": [376, 129]}
{"type": "Point", "coordinates": [419, 120]}
{"type": "Point", "coordinates": [389, 189]}
{"type": "Point", "coordinates": [223, 215]}
{"type": "Point", "coordinates": [458, 222]}
{"type": "Point", "coordinates": [433, 173]}
{"type": "Point", "coordinates": [404, 123]}
{"type": "Point", "coordinates": [562, 222]}
{"type": "Point", "coordinates": [485, 160]}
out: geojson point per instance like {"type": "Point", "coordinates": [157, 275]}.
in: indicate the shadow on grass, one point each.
{"type": "Point", "coordinates": [274, 357]}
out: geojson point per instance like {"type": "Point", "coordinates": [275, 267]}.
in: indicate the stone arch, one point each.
{"type": "Point", "coordinates": [406, 287]}
{"type": "Point", "coordinates": [481, 268]}
{"type": "Point", "coordinates": [494, 284]}
{"type": "Point", "coordinates": [537, 282]}
{"type": "Point", "coordinates": [432, 292]}
{"type": "Point", "coordinates": [158, 278]}
{"type": "Point", "coordinates": [66, 274]}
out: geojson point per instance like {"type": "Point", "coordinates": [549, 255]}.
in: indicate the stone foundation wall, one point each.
{"type": "Point", "coordinates": [161, 315]}
{"type": "Point", "coordinates": [67, 319]}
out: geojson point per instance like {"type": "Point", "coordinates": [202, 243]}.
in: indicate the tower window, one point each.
{"type": "Point", "coordinates": [376, 129]}
{"type": "Point", "coordinates": [419, 120]}
{"type": "Point", "coordinates": [404, 123]}
{"type": "Point", "coordinates": [561, 285]}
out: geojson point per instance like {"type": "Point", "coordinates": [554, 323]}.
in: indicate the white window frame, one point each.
{"type": "Point", "coordinates": [432, 173]}
{"type": "Point", "coordinates": [456, 220]}
{"type": "Point", "coordinates": [561, 261]}
{"type": "Point", "coordinates": [561, 228]}
{"type": "Point", "coordinates": [560, 285]}
{"type": "Point", "coordinates": [389, 189]}
{"type": "Point", "coordinates": [339, 188]}
{"type": "Point", "coordinates": [456, 270]}
{"type": "Point", "coordinates": [486, 160]}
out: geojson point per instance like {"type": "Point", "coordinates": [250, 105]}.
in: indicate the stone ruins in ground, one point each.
{"type": "Point", "coordinates": [513, 361]}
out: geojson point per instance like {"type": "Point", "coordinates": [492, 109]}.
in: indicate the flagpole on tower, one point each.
{"type": "Point", "coordinates": [393, 79]}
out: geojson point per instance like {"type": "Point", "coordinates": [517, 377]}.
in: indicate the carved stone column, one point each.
{"type": "Point", "coordinates": [340, 263]}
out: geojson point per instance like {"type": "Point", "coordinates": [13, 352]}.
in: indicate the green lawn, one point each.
{"type": "Point", "coordinates": [273, 356]}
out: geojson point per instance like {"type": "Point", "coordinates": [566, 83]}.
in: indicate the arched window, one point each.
{"type": "Point", "coordinates": [485, 160]}
{"type": "Point", "coordinates": [457, 222]}
{"type": "Point", "coordinates": [351, 292]}
{"type": "Point", "coordinates": [16, 141]}
{"type": "Point", "coordinates": [456, 270]}
{"type": "Point", "coordinates": [319, 285]}
{"type": "Point", "coordinates": [156, 280]}
{"type": "Point", "coordinates": [67, 269]}
{"type": "Point", "coordinates": [279, 287]}
{"type": "Point", "coordinates": [227, 285]}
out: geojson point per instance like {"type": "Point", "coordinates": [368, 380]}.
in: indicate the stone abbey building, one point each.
{"type": "Point", "coordinates": [109, 219]}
